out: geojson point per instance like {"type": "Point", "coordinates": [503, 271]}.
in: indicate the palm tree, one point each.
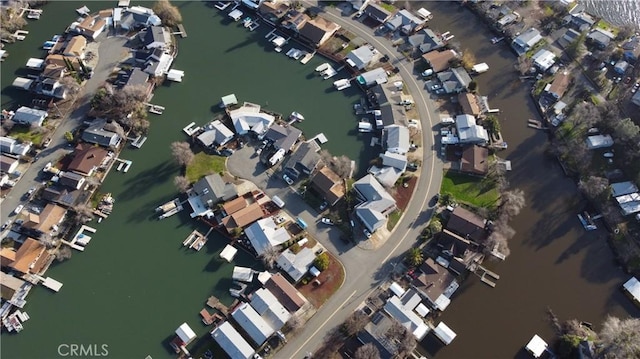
{"type": "Point", "coordinates": [414, 257]}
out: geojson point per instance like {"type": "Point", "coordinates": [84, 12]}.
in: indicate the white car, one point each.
{"type": "Point", "coordinates": [366, 233]}
{"type": "Point", "coordinates": [18, 209]}
{"type": "Point", "coordinates": [287, 179]}
{"type": "Point", "coordinates": [326, 220]}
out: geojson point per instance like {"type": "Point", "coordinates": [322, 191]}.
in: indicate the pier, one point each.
{"type": "Point", "coordinates": [536, 124]}
{"type": "Point", "coordinates": [155, 109]}
{"type": "Point", "coordinates": [306, 58]}
{"type": "Point", "coordinates": [485, 274]}
{"type": "Point", "coordinates": [20, 34]}
{"type": "Point", "coordinates": [190, 129]}
{"type": "Point", "coordinates": [196, 240]}
{"type": "Point", "coordinates": [214, 302]}
{"type": "Point", "coordinates": [181, 31]}
{"type": "Point", "coordinates": [124, 165]}
{"type": "Point", "coordinates": [139, 141]}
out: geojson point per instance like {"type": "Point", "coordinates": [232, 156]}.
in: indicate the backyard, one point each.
{"type": "Point", "coordinates": [471, 190]}
{"type": "Point", "coordinates": [204, 164]}
{"type": "Point", "coordinates": [331, 280]}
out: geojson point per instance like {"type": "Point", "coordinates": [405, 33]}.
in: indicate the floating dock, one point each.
{"type": "Point", "coordinates": [321, 138]}
{"type": "Point", "coordinates": [156, 109]}
{"type": "Point", "coordinates": [190, 129]}
{"type": "Point", "coordinates": [181, 31]}
{"type": "Point", "coordinates": [536, 124]}
{"type": "Point", "coordinates": [222, 5]}
{"type": "Point", "coordinates": [485, 274]}
{"type": "Point", "coordinates": [124, 165]}
{"type": "Point", "coordinates": [306, 58]}
{"type": "Point", "coordinates": [139, 141]}
{"type": "Point", "coordinates": [52, 284]}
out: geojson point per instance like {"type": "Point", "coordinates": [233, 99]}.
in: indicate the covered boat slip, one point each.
{"type": "Point", "coordinates": [444, 333]}
{"type": "Point", "coordinates": [632, 287]}
{"type": "Point", "coordinates": [536, 346]}
{"type": "Point", "coordinates": [228, 253]}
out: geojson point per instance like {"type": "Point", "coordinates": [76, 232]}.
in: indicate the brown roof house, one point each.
{"type": "Point", "coordinates": [435, 284]}
{"type": "Point", "coordinates": [559, 85]}
{"type": "Point", "coordinates": [317, 31]}
{"type": "Point", "coordinates": [91, 27]}
{"type": "Point", "coordinates": [440, 60]}
{"type": "Point", "coordinates": [7, 256]}
{"type": "Point", "coordinates": [475, 160]}
{"type": "Point", "coordinates": [285, 292]}
{"type": "Point", "coordinates": [86, 159]}
{"type": "Point", "coordinates": [329, 185]}
{"type": "Point", "coordinates": [241, 213]}
{"type": "Point", "coordinates": [470, 104]}
{"type": "Point", "coordinates": [47, 221]}
{"type": "Point", "coordinates": [295, 20]}
{"type": "Point", "coordinates": [273, 10]}
{"type": "Point", "coordinates": [76, 47]}
{"type": "Point", "coordinates": [31, 257]}
{"type": "Point", "coordinates": [452, 244]}
{"type": "Point", "coordinates": [9, 285]}
{"type": "Point", "coordinates": [467, 224]}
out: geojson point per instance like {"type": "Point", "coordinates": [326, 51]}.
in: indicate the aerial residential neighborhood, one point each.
{"type": "Point", "coordinates": [311, 179]}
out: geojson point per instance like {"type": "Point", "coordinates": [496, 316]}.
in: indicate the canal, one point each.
{"type": "Point", "coordinates": [554, 263]}
{"type": "Point", "coordinates": [135, 283]}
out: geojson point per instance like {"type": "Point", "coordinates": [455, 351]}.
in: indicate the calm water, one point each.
{"type": "Point", "coordinates": [618, 12]}
{"type": "Point", "coordinates": [136, 284]}
{"type": "Point", "coordinates": [554, 263]}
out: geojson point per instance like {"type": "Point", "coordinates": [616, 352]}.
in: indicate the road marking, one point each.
{"type": "Point", "coordinates": [322, 325]}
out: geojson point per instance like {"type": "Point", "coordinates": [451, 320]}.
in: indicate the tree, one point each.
{"type": "Point", "coordinates": [585, 114]}
{"type": "Point", "coordinates": [594, 187]}
{"type": "Point", "coordinates": [182, 153]}
{"type": "Point", "coordinates": [63, 253]}
{"type": "Point", "coordinates": [473, 86]}
{"type": "Point", "coordinates": [367, 351]}
{"type": "Point", "coordinates": [83, 212]}
{"type": "Point", "coordinates": [414, 257]}
{"type": "Point", "coordinates": [270, 256]}
{"type": "Point", "coordinates": [468, 60]}
{"type": "Point", "coordinates": [68, 136]}
{"type": "Point", "coordinates": [169, 14]}
{"type": "Point", "coordinates": [71, 85]}
{"type": "Point", "coordinates": [355, 323]}
{"type": "Point", "coordinates": [626, 131]}
{"type": "Point", "coordinates": [116, 104]}
{"type": "Point", "coordinates": [181, 183]}
{"type": "Point", "coordinates": [435, 226]}
{"type": "Point", "coordinates": [498, 242]}
{"type": "Point", "coordinates": [625, 31]}
{"type": "Point", "coordinates": [619, 338]}
{"type": "Point", "coordinates": [512, 202]}
{"type": "Point", "coordinates": [294, 323]}
{"type": "Point", "coordinates": [407, 344]}
{"type": "Point", "coordinates": [492, 124]}
{"type": "Point", "coordinates": [396, 330]}
{"type": "Point", "coordinates": [340, 165]}
{"type": "Point", "coordinates": [524, 64]}
{"type": "Point", "coordinates": [322, 261]}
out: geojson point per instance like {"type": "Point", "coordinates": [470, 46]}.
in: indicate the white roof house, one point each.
{"type": "Point", "coordinates": [232, 342]}
{"type": "Point", "coordinates": [271, 310]}
{"type": "Point", "coordinates": [265, 234]}
{"type": "Point", "coordinates": [252, 323]}
{"type": "Point", "coordinates": [396, 289]}
{"type": "Point", "coordinates": [599, 141]}
{"type": "Point", "coordinates": [215, 133]}
{"type": "Point", "coordinates": [536, 346]}
{"type": "Point", "coordinates": [406, 317]}
{"type": "Point", "coordinates": [229, 100]}
{"type": "Point", "coordinates": [623, 188]}
{"type": "Point", "coordinates": [544, 59]}
{"type": "Point", "coordinates": [361, 57]}
{"type": "Point", "coordinates": [632, 286]}
{"type": "Point", "coordinates": [386, 175]}
{"type": "Point", "coordinates": [444, 333]}
{"type": "Point", "coordinates": [29, 116]}
{"type": "Point", "coordinates": [249, 118]}
{"type": "Point", "coordinates": [469, 131]}
{"type": "Point", "coordinates": [10, 145]}
{"type": "Point", "coordinates": [396, 139]}
{"type": "Point", "coordinates": [296, 265]}
{"type": "Point", "coordinates": [185, 333]}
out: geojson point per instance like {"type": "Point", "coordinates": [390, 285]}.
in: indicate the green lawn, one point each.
{"type": "Point", "coordinates": [25, 134]}
{"type": "Point", "coordinates": [390, 8]}
{"type": "Point", "coordinates": [204, 164]}
{"type": "Point", "coordinates": [469, 189]}
{"type": "Point", "coordinates": [394, 217]}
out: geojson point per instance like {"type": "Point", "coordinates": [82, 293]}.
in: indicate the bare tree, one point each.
{"type": "Point", "coordinates": [407, 345]}
{"type": "Point", "coordinates": [586, 114]}
{"type": "Point", "coordinates": [63, 253]}
{"type": "Point", "coordinates": [512, 202]}
{"type": "Point", "coordinates": [70, 85]}
{"type": "Point", "coordinates": [498, 242]}
{"type": "Point", "coordinates": [295, 322]}
{"type": "Point", "coordinates": [367, 351]}
{"type": "Point", "coordinates": [594, 187]}
{"type": "Point", "coordinates": [113, 126]}
{"type": "Point", "coordinates": [396, 330]}
{"type": "Point", "coordinates": [181, 183]}
{"type": "Point", "coordinates": [355, 323]}
{"type": "Point", "coordinates": [523, 65]}
{"type": "Point", "coordinates": [626, 131]}
{"type": "Point", "coordinates": [340, 165]}
{"type": "Point", "coordinates": [269, 256]}
{"type": "Point", "coordinates": [169, 14]}
{"type": "Point", "coordinates": [619, 338]}
{"type": "Point", "coordinates": [182, 153]}
{"type": "Point", "coordinates": [83, 212]}
{"type": "Point", "coordinates": [118, 104]}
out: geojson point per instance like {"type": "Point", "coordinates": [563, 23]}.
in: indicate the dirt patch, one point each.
{"type": "Point", "coordinates": [403, 194]}
{"type": "Point", "coordinates": [331, 280]}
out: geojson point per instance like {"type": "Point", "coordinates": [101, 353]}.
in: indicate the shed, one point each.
{"type": "Point", "coordinates": [229, 100]}
{"type": "Point", "coordinates": [35, 63]}
{"type": "Point", "coordinates": [422, 310]}
{"type": "Point", "coordinates": [228, 253]}
{"type": "Point", "coordinates": [396, 289]}
{"type": "Point", "coordinates": [623, 188]}
{"type": "Point", "coordinates": [536, 346]}
{"type": "Point", "coordinates": [444, 333]}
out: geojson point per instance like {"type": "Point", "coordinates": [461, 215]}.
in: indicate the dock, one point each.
{"type": "Point", "coordinates": [155, 109]}
{"type": "Point", "coordinates": [80, 239]}
{"type": "Point", "coordinates": [485, 274]}
{"type": "Point", "coordinates": [73, 245]}
{"type": "Point", "coordinates": [321, 138]}
{"type": "Point", "coordinates": [214, 302]}
{"type": "Point", "coordinates": [170, 208]}
{"type": "Point", "coordinates": [536, 124]}
{"type": "Point", "coordinates": [32, 13]}
{"type": "Point", "coordinates": [181, 31]}
{"type": "Point", "coordinates": [306, 58]}
{"type": "Point", "coordinates": [222, 5]}
{"type": "Point", "coordinates": [196, 240]}
{"type": "Point", "coordinates": [139, 141]}
{"type": "Point", "coordinates": [20, 34]}
{"type": "Point", "coordinates": [175, 76]}
{"type": "Point", "coordinates": [190, 129]}
{"type": "Point", "coordinates": [52, 284]}
{"type": "Point", "coordinates": [124, 165]}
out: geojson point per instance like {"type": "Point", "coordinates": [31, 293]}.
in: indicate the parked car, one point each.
{"type": "Point", "coordinates": [324, 205]}
{"type": "Point", "coordinates": [435, 200]}
{"type": "Point", "coordinates": [412, 166]}
{"type": "Point", "coordinates": [326, 220]}
{"type": "Point", "coordinates": [358, 14]}
{"type": "Point", "coordinates": [18, 209]}
{"type": "Point", "coordinates": [427, 73]}
{"type": "Point", "coordinates": [31, 190]}
{"type": "Point", "coordinates": [287, 179]}
{"type": "Point", "coordinates": [366, 233]}
{"type": "Point", "coordinates": [5, 225]}
{"type": "Point", "coordinates": [226, 152]}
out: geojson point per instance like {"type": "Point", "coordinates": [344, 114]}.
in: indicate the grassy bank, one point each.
{"type": "Point", "coordinates": [204, 164]}
{"type": "Point", "coordinates": [469, 189]}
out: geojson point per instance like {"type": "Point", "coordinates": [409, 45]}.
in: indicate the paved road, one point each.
{"type": "Point", "coordinates": [110, 53]}
{"type": "Point", "coordinates": [365, 270]}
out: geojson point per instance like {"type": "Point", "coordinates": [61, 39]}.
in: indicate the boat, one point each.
{"type": "Point", "coordinates": [329, 73]}
{"type": "Point", "coordinates": [294, 53]}
{"type": "Point", "coordinates": [342, 84]}
{"type": "Point", "coordinates": [364, 126]}
{"type": "Point", "coordinates": [322, 67]}
{"type": "Point", "coordinates": [48, 45]}
{"type": "Point", "coordinates": [496, 40]}
{"type": "Point", "coordinates": [296, 116]}
{"type": "Point", "coordinates": [480, 68]}
{"type": "Point", "coordinates": [247, 21]}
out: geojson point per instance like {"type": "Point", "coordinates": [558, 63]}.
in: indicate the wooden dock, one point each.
{"type": "Point", "coordinates": [536, 124]}
{"type": "Point", "coordinates": [214, 302]}
{"type": "Point", "coordinates": [139, 141]}
{"type": "Point", "coordinates": [181, 31]}
{"type": "Point", "coordinates": [485, 274]}
{"type": "Point", "coordinates": [155, 109]}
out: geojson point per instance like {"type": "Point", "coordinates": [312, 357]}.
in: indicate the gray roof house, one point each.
{"type": "Point", "coordinates": [269, 308]}
{"type": "Point", "coordinates": [29, 116]}
{"type": "Point", "coordinates": [212, 189]}
{"type": "Point", "coordinates": [636, 98]}
{"type": "Point", "coordinates": [469, 131]}
{"type": "Point", "coordinates": [71, 179]}
{"type": "Point", "coordinates": [396, 139]}
{"type": "Point", "coordinates": [232, 342]}
{"type": "Point", "coordinates": [155, 37]}
{"type": "Point", "coordinates": [375, 332]}
{"type": "Point", "coordinates": [296, 265]}
{"type": "Point", "coordinates": [96, 133]}
{"type": "Point", "coordinates": [283, 137]}
{"type": "Point", "coordinates": [525, 41]}
{"type": "Point", "coordinates": [215, 134]}
{"type": "Point", "coordinates": [137, 77]}
{"type": "Point", "coordinates": [405, 21]}
{"type": "Point", "coordinates": [305, 159]}
{"type": "Point", "coordinates": [361, 57]}
{"type": "Point", "coordinates": [376, 202]}
{"type": "Point", "coordinates": [454, 80]}
{"type": "Point", "coordinates": [10, 145]}
{"type": "Point", "coordinates": [252, 323]}
{"type": "Point", "coordinates": [600, 38]}
{"type": "Point", "coordinates": [377, 13]}
{"type": "Point", "coordinates": [374, 77]}
{"type": "Point", "coordinates": [426, 40]}
{"type": "Point", "coordinates": [138, 17]}
{"type": "Point", "coordinates": [395, 160]}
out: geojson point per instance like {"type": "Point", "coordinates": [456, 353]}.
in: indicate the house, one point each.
{"type": "Point", "coordinates": [71, 180]}
{"type": "Point", "coordinates": [426, 40]}
{"type": "Point", "coordinates": [395, 160]}
{"type": "Point", "coordinates": [136, 77]}
{"type": "Point", "coordinates": [559, 86]}
{"type": "Point", "coordinates": [47, 221]}
{"type": "Point", "coordinates": [631, 49]}
{"type": "Point", "coordinates": [136, 17]}
{"type": "Point", "coordinates": [243, 217]}
{"type": "Point", "coordinates": [361, 57]}
{"type": "Point", "coordinates": [467, 224]}
{"type": "Point", "coordinates": [386, 98]}
{"type": "Point", "coordinates": [600, 38]}
{"type": "Point", "coordinates": [623, 188]}
{"type": "Point", "coordinates": [454, 80]}
{"type": "Point", "coordinates": [51, 87]}
{"type": "Point", "coordinates": [387, 175]}
{"type": "Point", "coordinates": [410, 320]}
{"type": "Point", "coordinates": [207, 192]}
{"type": "Point", "coordinates": [318, 30]}
{"type": "Point", "coordinates": [32, 257]}
{"type": "Point", "coordinates": [286, 293]}
{"type": "Point", "coordinates": [375, 332]}
{"type": "Point", "coordinates": [283, 137]}
{"type": "Point", "coordinates": [507, 19]}
{"type": "Point", "coordinates": [8, 164]}
{"type": "Point", "coordinates": [358, 5]}
{"type": "Point", "coordinates": [296, 265]}
{"type": "Point", "coordinates": [376, 203]}
{"type": "Point", "coordinates": [435, 284]}
{"type": "Point", "coordinates": [569, 37]}
{"type": "Point", "coordinates": [76, 47]}
{"type": "Point", "coordinates": [525, 41]}
{"type": "Point", "coordinates": [470, 104]}
{"type": "Point", "coordinates": [9, 285]}
{"type": "Point", "coordinates": [252, 323]}
{"type": "Point", "coordinates": [621, 67]}
{"type": "Point", "coordinates": [87, 159]}
{"type": "Point", "coordinates": [405, 21]}
{"type": "Point", "coordinates": [295, 20]}
{"type": "Point", "coordinates": [475, 160]}
{"type": "Point", "coordinates": [155, 37]}
{"type": "Point", "coordinates": [265, 233]}
{"type": "Point", "coordinates": [440, 60]}
{"type": "Point", "coordinates": [273, 11]}
{"type": "Point", "coordinates": [374, 77]}
{"type": "Point", "coordinates": [215, 134]}
{"type": "Point", "coordinates": [29, 116]}
{"type": "Point", "coordinates": [599, 141]}
{"type": "Point", "coordinates": [160, 66]}
{"type": "Point", "coordinates": [469, 131]}
{"type": "Point", "coordinates": [377, 13]}
{"type": "Point", "coordinates": [91, 27]}
{"type": "Point", "coordinates": [543, 59]}
{"type": "Point", "coordinates": [452, 244]}
{"type": "Point", "coordinates": [249, 118]}
{"type": "Point", "coordinates": [62, 196]}
{"type": "Point", "coordinates": [11, 146]}
{"type": "Point", "coordinates": [99, 132]}
{"type": "Point", "coordinates": [57, 65]}
{"type": "Point", "coordinates": [7, 256]}
{"type": "Point", "coordinates": [635, 99]}
{"type": "Point", "coordinates": [232, 342]}
{"type": "Point", "coordinates": [580, 21]}
{"type": "Point", "coordinates": [269, 308]}
{"type": "Point", "coordinates": [396, 139]}
{"type": "Point", "coordinates": [444, 333]}
{"type": "Point", "coordinates": [305, 159]}
{"type": "Point", "coordinates": [185, 335]}
{"type": "Point", "coordinates": [328, 185]}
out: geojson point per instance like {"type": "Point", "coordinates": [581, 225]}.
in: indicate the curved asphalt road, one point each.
{"type": "Point", "coordinates": [365, 270]}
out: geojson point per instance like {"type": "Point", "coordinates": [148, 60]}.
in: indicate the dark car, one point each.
{"type": "Point", "coordinates": [435, 200]}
